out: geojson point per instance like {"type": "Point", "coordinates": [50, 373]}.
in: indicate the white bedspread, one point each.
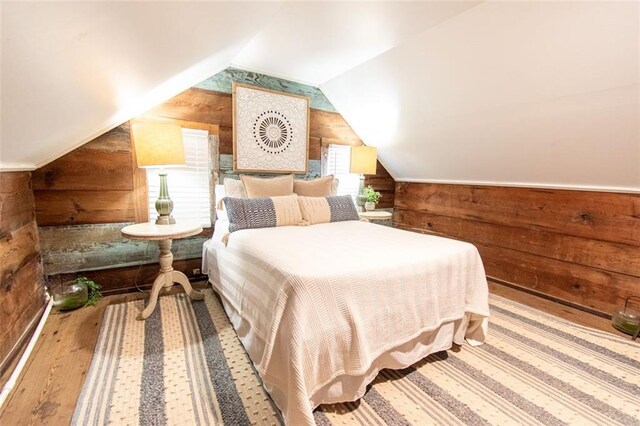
{"type": "Point", "coordinates": [319, 308]}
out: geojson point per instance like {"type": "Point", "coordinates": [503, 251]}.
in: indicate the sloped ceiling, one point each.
{"type": "Point", "coordinates": [509, 93]}
{"type": "Point", "coordinates": [512, 93]}
{"type": "Point", "coordinates": [72, 70]}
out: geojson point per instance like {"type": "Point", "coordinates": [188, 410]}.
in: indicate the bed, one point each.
{"type": "Point", "coordinates": [321, 309]}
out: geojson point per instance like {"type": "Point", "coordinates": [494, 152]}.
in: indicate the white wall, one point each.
{"type": "Point", "coordinates": [515, 93]}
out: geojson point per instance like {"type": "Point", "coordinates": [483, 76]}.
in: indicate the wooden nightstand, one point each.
{"type": "Point", "coordinates": [381, 217]}
{"type": "Point", "coordinates": [164, 235]}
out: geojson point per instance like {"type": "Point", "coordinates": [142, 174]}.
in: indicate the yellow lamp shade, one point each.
{"type": "Point", "coordinates": [364, 160]}
{"type": "Point", "coordinates": [158, 144]}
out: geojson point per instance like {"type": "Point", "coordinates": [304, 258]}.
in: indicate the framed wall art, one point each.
{"type": "Point", "coordinates": [270, 131]}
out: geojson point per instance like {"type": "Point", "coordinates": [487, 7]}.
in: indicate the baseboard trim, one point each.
{"type": "Point", "coordinates": [22, 341]}
{"type": "Point", "coordinates": [550, 297]}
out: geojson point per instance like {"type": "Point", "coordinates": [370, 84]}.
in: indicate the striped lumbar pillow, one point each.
{"type": "Point", "coordinates": [248, 213]}
{"type": "Point", "coordinates": [327, 209]}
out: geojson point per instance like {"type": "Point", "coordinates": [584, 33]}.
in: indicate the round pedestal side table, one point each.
{"type": "Point", "coordinates": [164, 235]}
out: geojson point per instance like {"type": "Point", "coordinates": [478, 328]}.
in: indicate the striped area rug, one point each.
{"type": "Point", "coordinates": [185, 365]}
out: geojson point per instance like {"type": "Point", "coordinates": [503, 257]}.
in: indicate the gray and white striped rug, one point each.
{"type": "Point", "coordinates": [185, 365]}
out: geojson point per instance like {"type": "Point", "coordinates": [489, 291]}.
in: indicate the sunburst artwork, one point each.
{"type": "Point", "coordinates": [270, 130]}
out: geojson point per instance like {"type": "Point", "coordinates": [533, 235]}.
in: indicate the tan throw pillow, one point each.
{"type": "Point", "coordinates": [320, 187]}
{"type": "Point", "coordinates": [256, 187]}
{"type": "Point", "coordinates": [327, 209]}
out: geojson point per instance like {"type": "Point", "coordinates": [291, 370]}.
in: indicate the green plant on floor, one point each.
{"type": "Point", "coordinates": [372, 195]}
{"type": "Point", "coordinates": [94, 290]}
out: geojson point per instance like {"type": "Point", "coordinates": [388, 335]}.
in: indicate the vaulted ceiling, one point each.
{"type": "Point", "coordinates": [515, 93]}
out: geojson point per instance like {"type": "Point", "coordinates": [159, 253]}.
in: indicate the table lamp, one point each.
{"type": "Point", "coordinates": [158, 145]}
{"type": "Point", "coordinates": [364, 160]}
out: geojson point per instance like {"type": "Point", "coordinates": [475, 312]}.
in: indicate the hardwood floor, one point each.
{"type": "Point", "coordinates": [47, 389]}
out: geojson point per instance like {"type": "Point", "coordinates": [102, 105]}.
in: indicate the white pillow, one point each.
{"type": "Point", "coordinates": [221, 213]}
{"type": "Point", "coordinates": [334, 186]}
{"type": "Point", "coordinates": [234, 188]}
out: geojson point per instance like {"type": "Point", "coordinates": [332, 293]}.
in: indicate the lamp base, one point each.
{"type": "Point", "coordinates": [164, 205]}
{"type": "Point", "coordinates": [361, 199]}
{"type": "Point", "coordinates": [165, 220]}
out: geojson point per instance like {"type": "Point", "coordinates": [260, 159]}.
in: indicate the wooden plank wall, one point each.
{"type": "Point", "coordinates": [325, 127]}
{"type": "Point", "coordinates": [21, 287]}
{"type": "Point", "coordinates": [83, 198]}
{"type": "Point", "coordinates": [581, 247]}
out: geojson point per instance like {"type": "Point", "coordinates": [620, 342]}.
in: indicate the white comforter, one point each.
{"type": "Point", "coordinates": [320, 308]}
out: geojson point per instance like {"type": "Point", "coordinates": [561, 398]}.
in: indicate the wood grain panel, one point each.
{"type": "Point", "coordinates": [605, 255]}
{"type": "Point", "coordinates": [16, 201]}
{"type": "Point", "coordinates": [226, 140]}
{"type": "Point", "coordinates": [597, 289]}
{"type": "Point", "coordinates": [578, 246]}
{"type": "Point", "coordinates": [21, 289]}
{"type": "Point", "coordinates": [17, 249]}
{"type": "Point", "coordinates": [116, 139]}
{"type": "Point", "coordinates": [200, 105]}
{"type": "Point", "coordinates": [87, 170]}
{"type": "Point", "coordinates": [596, 215]}
{"type": "Point", "coordinates": [315, 148]}
{"type": "Point", "coordinates": [331, 125]}
{"type": "Point", "coordinates": [82, 207]}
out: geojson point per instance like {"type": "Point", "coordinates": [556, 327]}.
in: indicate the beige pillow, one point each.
{"type": "Point", "coordinates": [320, 187]}
{"type": "Point", "coordinates": [256, 187]}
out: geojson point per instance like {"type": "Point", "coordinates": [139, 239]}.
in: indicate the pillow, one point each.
{"type": "Point", "coordinates": [334, 186]}
{"type": "Point", "coordinates": [256, 187]}
{"type": "Point", "coordinates": [249, 213]}
{"type": "Point", "coordinates": [221, 213]}
{"type": "Point", "coordinates": [234, 188]}
{"type": "Point", "coordinates": [328, 209]}
{"type": "Point", "coordinates": [320, 187]}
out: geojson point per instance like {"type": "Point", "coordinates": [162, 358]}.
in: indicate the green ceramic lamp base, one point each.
{"type": "Point", "coordinates": [164, 205]}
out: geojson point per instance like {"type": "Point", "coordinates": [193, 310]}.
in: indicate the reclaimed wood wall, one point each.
{"type": "Point", "coordinates": [326, 127]}
{"type": "Point", "coordinates": [84, 198]}
{"type": "Point", "coordinates": [578, 246]}
{"type": "Point", "coordinates": [21, 289]}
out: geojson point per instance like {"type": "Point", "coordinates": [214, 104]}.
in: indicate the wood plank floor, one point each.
{"type": "Point", "coordinates": [47, 389]}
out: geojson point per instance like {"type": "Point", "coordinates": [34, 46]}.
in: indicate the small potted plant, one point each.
{"type": "Point", "coordinates": [75, 294]}
{"type": "Point", "coordinates": [372, 197]}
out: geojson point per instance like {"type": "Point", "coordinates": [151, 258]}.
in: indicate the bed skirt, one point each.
{"type": "Point", "coordinates": [344, 388]}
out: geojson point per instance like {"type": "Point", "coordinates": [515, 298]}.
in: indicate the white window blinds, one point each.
{"type": "Point", "coordinates": [189, 184]}
{"type": "Point", "coordinates": [338, 164]}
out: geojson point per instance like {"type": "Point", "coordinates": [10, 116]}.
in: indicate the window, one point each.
{"type": "Point", "coordinates": [189, 184]}
{"type": "Point", "coordinates": [338, 162]}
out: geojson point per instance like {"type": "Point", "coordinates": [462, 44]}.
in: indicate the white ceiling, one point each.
{"type": "Point", "coordinates": [72, 70]}
{"type": "Point", "coordinates": [540, 94]}
{"type": "Point", "coordinates": [522, 93]}
{"type": "Point", "coordinates": [312, 42]}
